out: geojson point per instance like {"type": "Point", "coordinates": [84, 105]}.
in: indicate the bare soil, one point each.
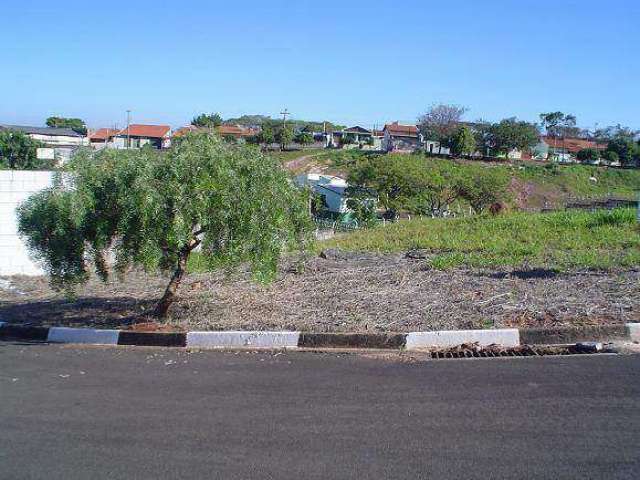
{"type": "Point", "coordinates": [342, 292]}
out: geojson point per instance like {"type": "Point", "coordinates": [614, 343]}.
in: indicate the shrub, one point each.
{"type": "Point", "coordinates": [155, 209]}
{"type": "Point", "coordinates": [588, 155]}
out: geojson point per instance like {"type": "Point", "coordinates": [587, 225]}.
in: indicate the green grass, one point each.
{"type": "Point", "coordinates": [563, 180]}
{"type": "Point", "coordinates": [576, 179]}
{"type": "Point", "coordinates": [294, 154]}
{"type": "Point", "coordinates": [560, 241]}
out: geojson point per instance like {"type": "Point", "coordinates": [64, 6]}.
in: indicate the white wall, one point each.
{"type": "Point", "coordinates": [16, 186]}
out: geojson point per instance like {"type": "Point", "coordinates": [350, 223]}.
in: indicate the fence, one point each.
{"type": "Point", "coordinates": [15, 187]}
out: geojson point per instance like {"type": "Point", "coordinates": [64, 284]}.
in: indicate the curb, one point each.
{"type": "Point", "coordinates": [292, 339]}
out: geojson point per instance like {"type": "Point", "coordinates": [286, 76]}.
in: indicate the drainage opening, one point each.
{"type": "Point", "coordinates": [474, 350]}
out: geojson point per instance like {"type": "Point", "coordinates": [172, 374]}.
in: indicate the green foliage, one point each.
{"type": "Point", "coordinates": [207, 120]}
{"type": "Point", "coordinates": [284, 136]}
{"type": "Point", "coordinates": [267, 135]}
{"type": "Point", "coordinates": [346, 139]}
{"type": "Point", "coordinates": [19, 151]}
{"type": "Point", "coordinates": [481, 187]}
{"type": "Point", "coordinates": [75, 124]}
{"type": "Point", "coordinates": [588, 155]}
{"type": "Point", "coordinates": [463, 142]}
{"type": "Point", "coordinates": [562, 240]}
{"type": "Point", "coordinates": [153, 209]}
{"type": "Point", "coordinates": [428, 187]}
{"type": "Point", "coordinates": [609, 156]}
{"type": "Point", "coordinates": [627, 150]}
{"type": "Point", "coordinates": [261, 120]}
{"type": "Point", "coordinates": [362, 204]}
{"type": "Point", "coordinates": [512, 134]}
{"type": "Point", "coordinates": [559, 124]}
{"type": "Point", "coordinates": [304, 138]}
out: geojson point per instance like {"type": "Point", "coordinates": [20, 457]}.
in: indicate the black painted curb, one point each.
{"type": "Point", "coordinates": [559, 335]}
{"type": "Point", "coordinates": [352, 340]}
{"type": "Point", "coordinates": [150, 339]}
{"type": "Point", "coordinates": [20, 332]}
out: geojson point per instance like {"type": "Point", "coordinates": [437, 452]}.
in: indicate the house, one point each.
{"type": "Point", "coordinates": [102, 137]}
{"type": "Point", "coordinates": [400, 138]}
{"type": "Point", "coordinates": [59, 143]}
{"type": "Point", "coordinates": [329, 188]}
{"type": "Point", "coordinates": [236, 131]}
{"type": "Point", "coordinates": [359, 137]}
{"type": "Point", "coordinates": [563, 150]}
{"type": "Point", "coordinates": [137, 136]}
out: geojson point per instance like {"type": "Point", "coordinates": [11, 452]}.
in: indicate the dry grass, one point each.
{"type": "Point", "coordinates": [345, 292]}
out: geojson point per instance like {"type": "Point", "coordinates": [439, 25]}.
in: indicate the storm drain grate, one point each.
{"type": "Point", "coordinates": [473, 350]}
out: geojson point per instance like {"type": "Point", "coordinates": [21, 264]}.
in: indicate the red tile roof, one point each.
{"type": "Point", "coordinates": [572, 145]}
{"type": "Point", "coordinates": [236, 130]}
{"type": "Point", "coordinates": [401, 130]}
{"type": "Point", "coordinates": [151, 131]}
{"type": "Point", "coordinates": [187, 129]}
{"type": "Point", "coordinates": [103, 134]}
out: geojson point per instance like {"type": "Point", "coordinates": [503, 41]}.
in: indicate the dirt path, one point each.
{"type": "Point", "coordinates": [304, 164]}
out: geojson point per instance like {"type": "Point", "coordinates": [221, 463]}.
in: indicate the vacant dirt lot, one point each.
{"type": "Point", "coordinates": [342, 292]}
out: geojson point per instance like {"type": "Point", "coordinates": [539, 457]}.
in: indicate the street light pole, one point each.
{"type": "Point", "coordinates": [128, 135]}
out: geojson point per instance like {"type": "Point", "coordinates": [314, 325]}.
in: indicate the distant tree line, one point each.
{"type": "Point", "coordinates": [443, 123]}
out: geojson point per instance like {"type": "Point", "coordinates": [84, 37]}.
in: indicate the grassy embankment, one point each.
{"type": "Point", "coordinates": [539, 183]}
{"type": "Point", "coordinates": [559, 241]}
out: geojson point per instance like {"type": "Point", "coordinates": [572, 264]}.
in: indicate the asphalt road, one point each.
{"type": "Point", "coordinates": [79, 413]}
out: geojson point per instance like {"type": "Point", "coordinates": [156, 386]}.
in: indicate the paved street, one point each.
{"type": "Point", "coordinates": [79, 413]}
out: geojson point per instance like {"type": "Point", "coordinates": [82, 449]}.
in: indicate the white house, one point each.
{"type": "Point", "coordinates": [60, 143]}
{"type": "Point", "coordinates": [137, 136]}
{"type": "Point", "coordinates": [330, 189]}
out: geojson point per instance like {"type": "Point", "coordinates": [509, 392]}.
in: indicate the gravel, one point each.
{"type": "Point", "coordinates": [339, 292]}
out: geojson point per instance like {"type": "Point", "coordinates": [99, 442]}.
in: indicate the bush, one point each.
{"type": "Point", "coordinates": [588, 155]}
{"type": "Point", "coordinates": [154, 209]}
{"type": "Point", "coordinates": [19, 151]}
{"type": "Point", "coordinates": [610, 156]}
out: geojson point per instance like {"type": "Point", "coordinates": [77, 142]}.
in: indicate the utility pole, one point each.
{"type": "Point", "coordinates": [128, 123]}
{"type": "Point", "coordinates": [284, 117]}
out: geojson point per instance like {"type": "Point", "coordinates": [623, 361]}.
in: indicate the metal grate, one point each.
{"type": "Point", "coordinates": [473, 350]}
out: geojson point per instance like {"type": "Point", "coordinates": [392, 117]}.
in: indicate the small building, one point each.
{"type": "Point", "coordinates": [360, 138]}
{"type": "Point", "coordinates": [59, 143]}
{"type": "Point", "coordinates": [102, 137]}
{"type": "Point", "coordinates": [563, 150]}
{"type": "Point", "coordinates": [400, 138]}
{"type": "Point", "coordinates": [329, 188]}
{"type": "Point", "coordinates": [236, 131]}
{"type": "Point", "coordinates": [137, 136]}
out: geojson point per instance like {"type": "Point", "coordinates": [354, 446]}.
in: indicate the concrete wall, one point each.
{"type": "Point", "coordinates": [15, 187]}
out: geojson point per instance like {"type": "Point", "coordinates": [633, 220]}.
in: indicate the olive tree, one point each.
{"type": "Point", "coordinates": [155, 209]}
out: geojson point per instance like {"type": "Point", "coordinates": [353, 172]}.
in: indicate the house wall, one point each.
{"type": "Point", "coordinates": [15, 187]}
{"type": "Point", "coordinates": [53, 140]}
{"type": "Point", "coordinates": [431, 146]}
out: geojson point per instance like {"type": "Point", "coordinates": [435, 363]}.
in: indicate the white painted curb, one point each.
{"type": "Point", "coordinates": [450, 338]}
{"type": "Point", "coordinates": [243, 339]}
{"type": "Point", "coordinates": [82, 335]}
{"type": "Point", "coordinates": [634, 331]}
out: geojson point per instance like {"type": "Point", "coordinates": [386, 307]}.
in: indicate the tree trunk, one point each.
{"type": "Point", "coordinates": [170, 292]}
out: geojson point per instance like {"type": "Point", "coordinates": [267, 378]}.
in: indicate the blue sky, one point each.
{"type": "Point", "coordinates": [351, 62]}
